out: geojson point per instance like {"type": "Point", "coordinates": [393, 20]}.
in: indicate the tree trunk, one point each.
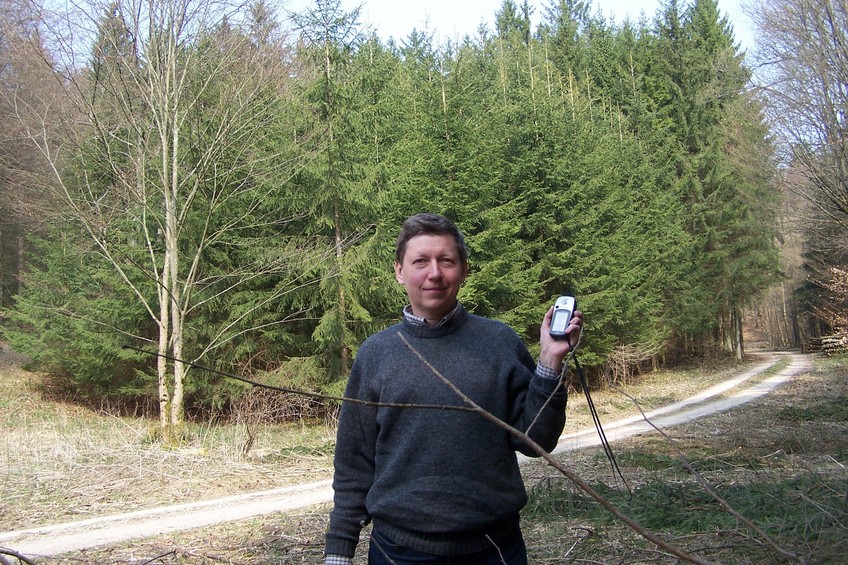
{"type": "Point", "coordinates": [176, 415]}
{"type": "Point", "coordinates": [344, 354]}
{"type": "Point", "coordinates": [738, 335]}
{"type": "Point", "coordinates": [162, 362]}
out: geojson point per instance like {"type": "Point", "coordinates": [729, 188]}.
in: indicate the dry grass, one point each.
{"type": "Point", "coordinates": [67, 463]}
{"type": "Point", "coordinates": [63, 462]}
{"type": "Point", "coordinates": [779, 461]}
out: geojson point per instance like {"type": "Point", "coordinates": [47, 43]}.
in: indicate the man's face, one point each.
{"type": "Point", "coordinates": [431, 272]}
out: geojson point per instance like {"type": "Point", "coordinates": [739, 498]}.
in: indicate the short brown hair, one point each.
{"type": "Point", "coordinates": [433, 224]}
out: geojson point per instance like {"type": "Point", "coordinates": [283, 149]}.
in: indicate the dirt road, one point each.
{"type": "Point", "coordinates": [75, 536]}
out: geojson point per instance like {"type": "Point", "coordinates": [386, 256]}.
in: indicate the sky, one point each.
{"type": "Point", "coordinates": [450, 19]}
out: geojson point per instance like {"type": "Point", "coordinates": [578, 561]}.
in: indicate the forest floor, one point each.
{"type": "Point", "coordinates": [793, 440]}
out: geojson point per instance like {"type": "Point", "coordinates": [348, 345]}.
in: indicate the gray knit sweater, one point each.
{"type": "Point", "coordinates": [438, 481]}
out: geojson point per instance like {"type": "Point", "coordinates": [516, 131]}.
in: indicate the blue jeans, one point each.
{"type": "Point", "coordinates": [510, 551]}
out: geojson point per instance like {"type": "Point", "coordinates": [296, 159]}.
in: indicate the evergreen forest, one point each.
{"type": "Point", "coordinates": [222, 183]}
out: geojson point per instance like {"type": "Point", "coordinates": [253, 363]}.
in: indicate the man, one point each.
{"type": "Point", "coordinates": [441, 485]}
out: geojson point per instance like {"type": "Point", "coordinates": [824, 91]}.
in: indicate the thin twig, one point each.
{"type": "Point", "coordinates": [674, 550]}
{"type": "Point", "coordinates": [724, 504]}
{"type": "Point", "coordinates": [158, 557]}
{"type": "Point", "coordinates": [305, 393]}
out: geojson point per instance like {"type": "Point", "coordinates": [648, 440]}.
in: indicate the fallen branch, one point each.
{"type": "Point", "coordinates": [12, 553]}
{"type": "Point", "coordinates": [674, 550]}
{"type": "Point", "coordinates": [724, 504]}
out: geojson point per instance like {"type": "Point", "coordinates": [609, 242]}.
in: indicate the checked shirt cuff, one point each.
{"type": "Point", "coordinates": [546, 372]}
{"type": "Point", "coordinates": [337, 560]}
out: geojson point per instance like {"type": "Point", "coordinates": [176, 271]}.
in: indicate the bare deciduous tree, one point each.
{"type": "Point", "coordinates": [802, 52]}
{"type": "Point", "coordinates": [24, 81]}
{"type": "Point", "coordinates": [168, 153]}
